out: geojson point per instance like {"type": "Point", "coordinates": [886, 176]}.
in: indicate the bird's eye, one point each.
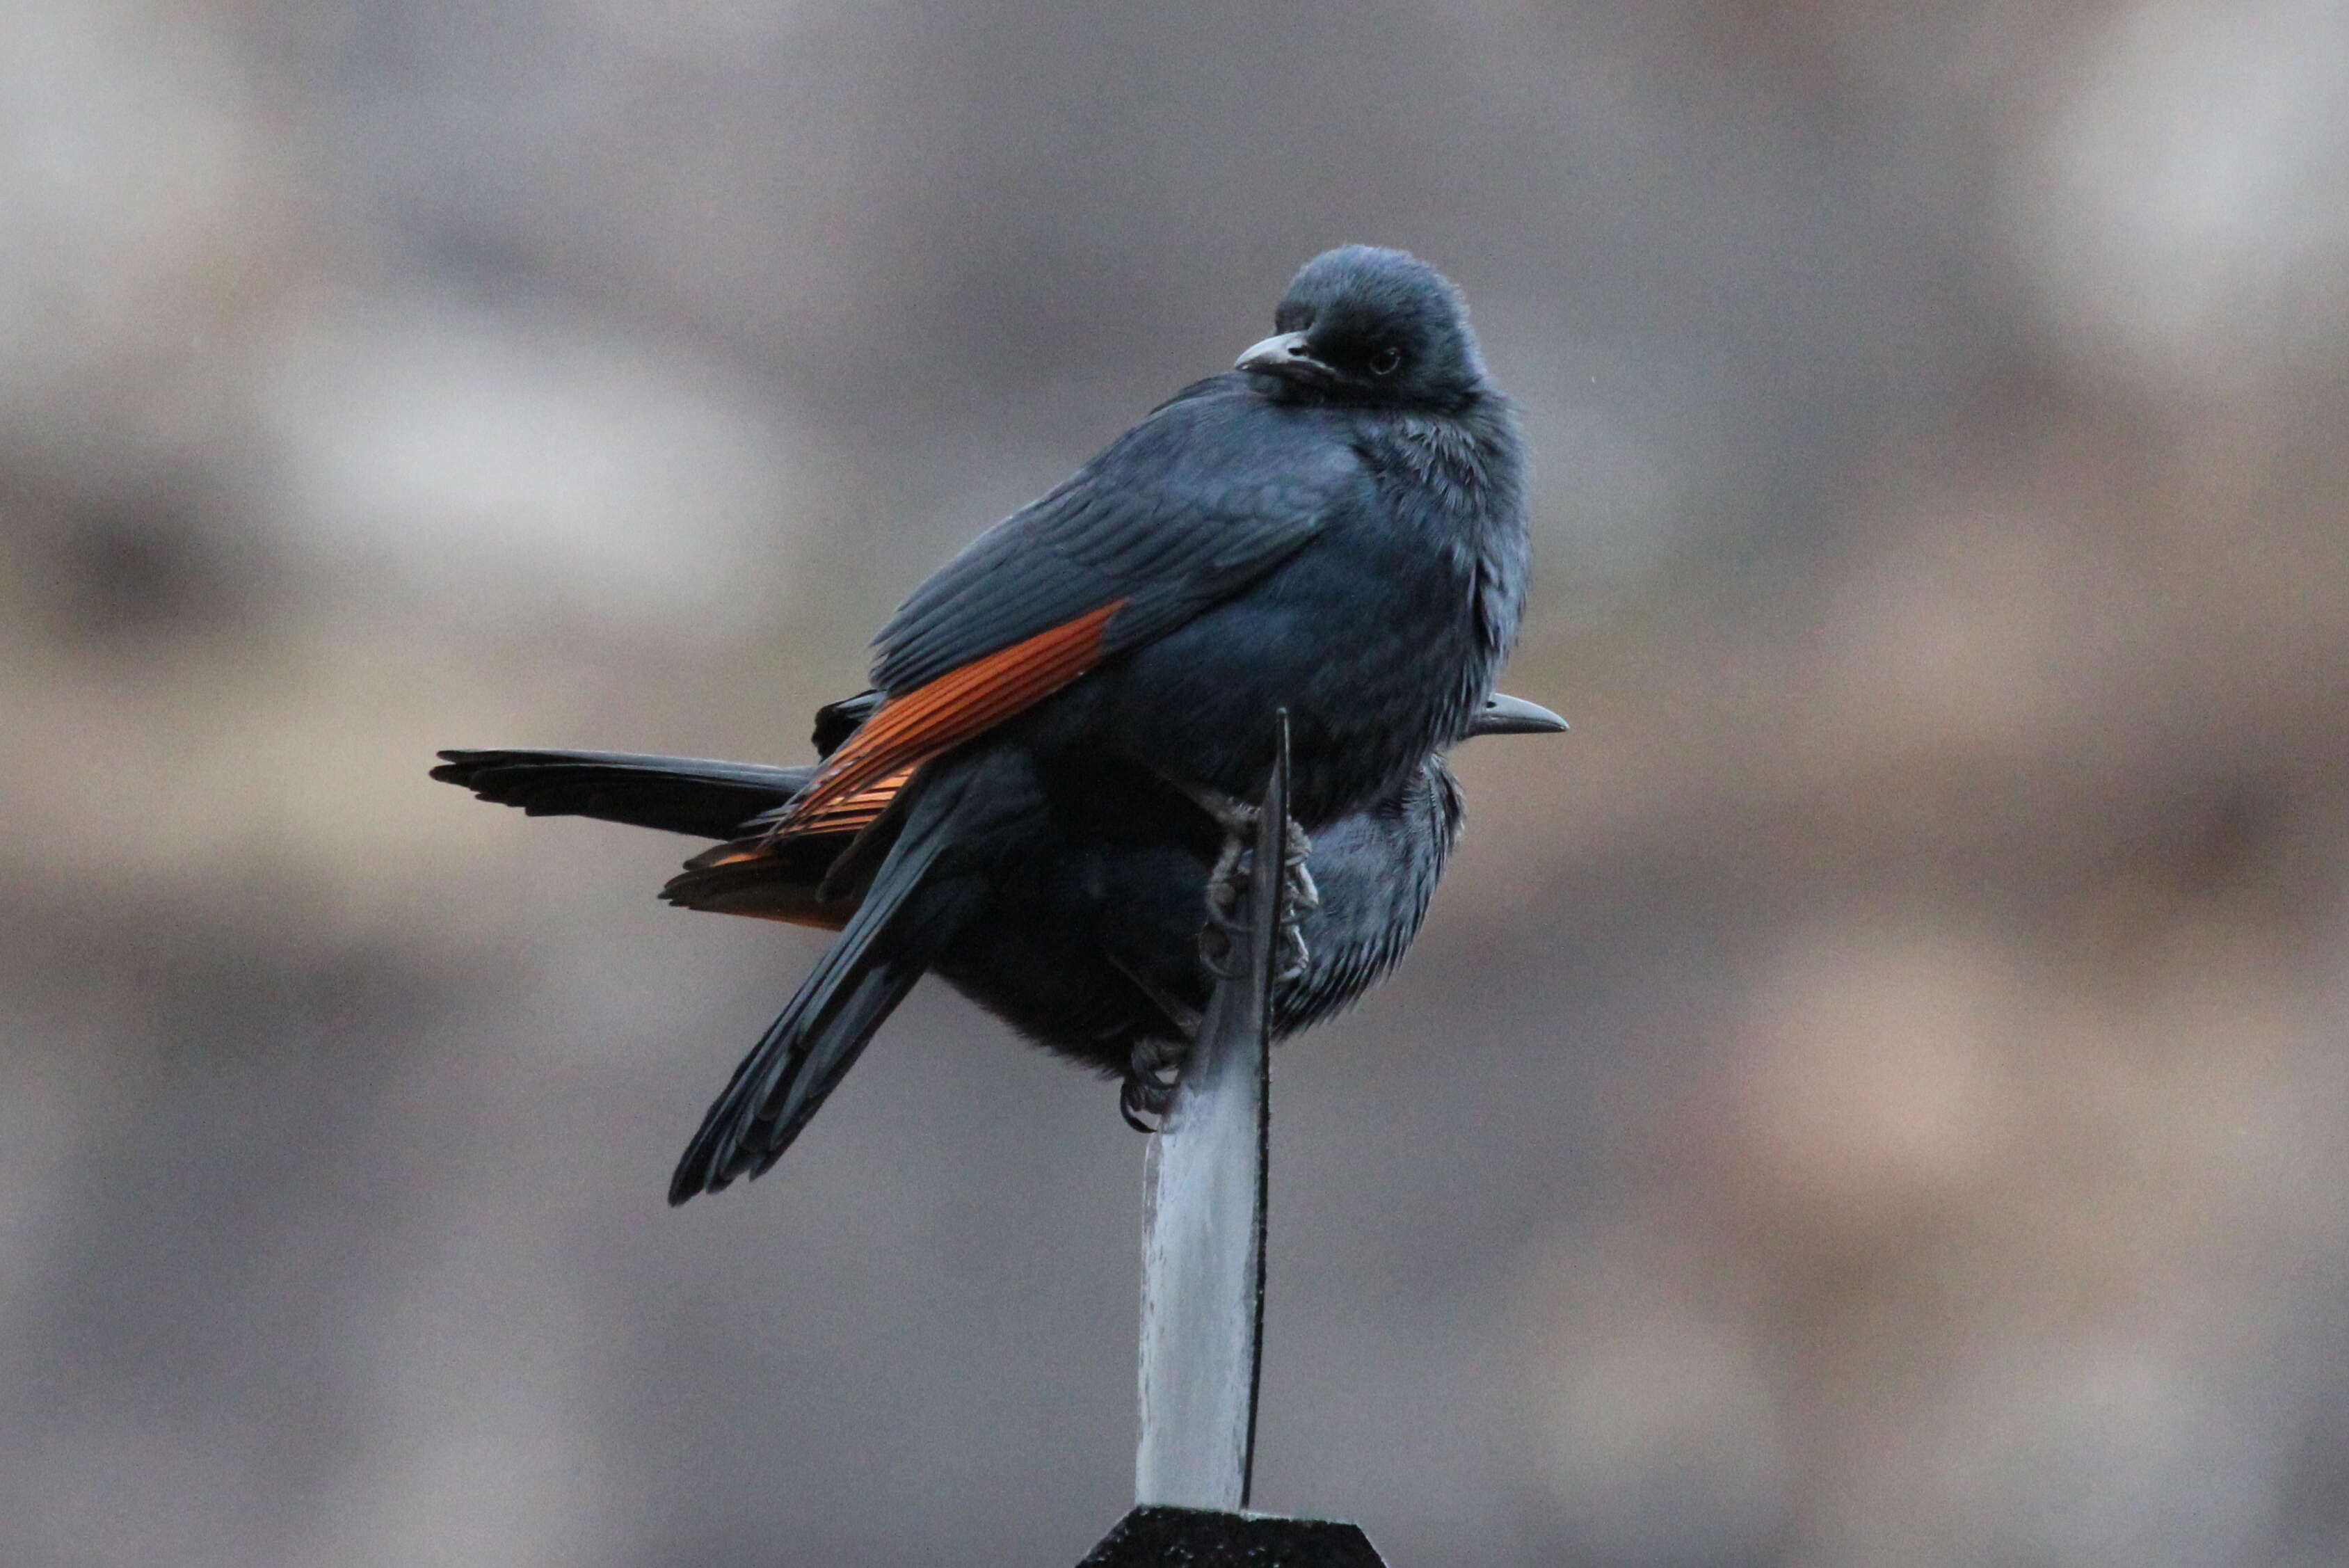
{"type": "Point", "coordinates": [1386, 360]}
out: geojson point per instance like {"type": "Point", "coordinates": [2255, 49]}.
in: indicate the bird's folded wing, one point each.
{"type": "Point", "coordinates": [777, 871]}
{"type": "Point", "coordinates": [779, 831]}
{"type": "Point", "coordinates": [1207, 495]}
{"type": "Point", "coordinates": [905, 731]}
{"type": "Point", "coordinates": [1210, 491]}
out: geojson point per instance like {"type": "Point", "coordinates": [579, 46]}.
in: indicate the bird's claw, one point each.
{"type": "Point", "coordinates": [1293, 958]}
{"type": "Point", "coordinates": [1229, 882]}
{"type": "Point", "coordinates": [1152, 1075]}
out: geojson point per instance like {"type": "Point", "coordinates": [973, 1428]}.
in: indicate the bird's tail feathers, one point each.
{"type": "Point", "coordinates": [696, 795]}
{"type": "Point", "coordinates": [783, 882]}
{"type": "Point", "coordinates": [804, 1054]}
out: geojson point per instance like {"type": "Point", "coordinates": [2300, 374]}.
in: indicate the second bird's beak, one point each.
{"type": "Point", "coordinates": [1506, 715]}
{"type": "Point", "coordinates": [1286, 356]}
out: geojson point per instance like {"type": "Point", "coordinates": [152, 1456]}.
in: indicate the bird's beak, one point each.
{"type": "Point", "coordinates": [1284, 355]}
{"type": "Point", "coordinates": [1507, 715]}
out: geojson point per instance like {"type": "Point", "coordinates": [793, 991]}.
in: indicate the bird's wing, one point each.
{"type": "Point", "coordinates": [906, 731]}
{"type": "Point", "coordinates": [1206, 495]}
{"type": "Point", "coordinates": [1202, 497]}
{"type": "Point", "coordinates": [777, 870]}
{"type": "Point", "coordinates": [846, 816]}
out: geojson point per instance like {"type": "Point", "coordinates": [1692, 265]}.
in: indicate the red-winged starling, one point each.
{"type": "Point", "coordinates": [1335, 528]}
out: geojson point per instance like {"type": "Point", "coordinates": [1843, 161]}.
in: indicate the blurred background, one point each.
{"type": "Point", "coordinates": [1875, 1092]}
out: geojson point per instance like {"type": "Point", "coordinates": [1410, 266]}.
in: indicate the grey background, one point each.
{"type": "Point", "coordinates": [1874, 1093]}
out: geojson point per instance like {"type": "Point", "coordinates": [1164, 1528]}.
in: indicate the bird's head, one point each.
{"type": "Point", "coordinates": [1370, 328]}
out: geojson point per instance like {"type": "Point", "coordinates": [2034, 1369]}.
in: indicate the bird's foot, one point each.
{"type": "Point", "coordinates": [1151, 1074]}
{"type": "Point", "coordinates": [1228, 882]}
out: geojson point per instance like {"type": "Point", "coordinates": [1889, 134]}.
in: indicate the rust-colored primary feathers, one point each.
{"type": "Point", "coordinates": [844, 818]}
{"type": "Point", "coordinates": [740, 877]}
{"type": "Point", "coordinates": [909, 730]}
{"type": "Point", "coordinates": [858, 781]}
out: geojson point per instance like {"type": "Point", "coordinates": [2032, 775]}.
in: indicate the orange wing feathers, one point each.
{"type": "Point", "coordinates": [860, 780]}
{"type": "Point", "coordinates": [771, 876]}
{"type": "Point", "coordinates": [845, 817]}
{"type": "Point", "coordinates": [854, 813]}
{"type": "Point", "coordinates": [909, 730]}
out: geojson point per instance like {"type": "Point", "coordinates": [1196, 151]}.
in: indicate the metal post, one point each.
{"type": "Point", "coordinates": [1203, 1261]}
{"type": "Point", "coordinates": [1204, 1221]}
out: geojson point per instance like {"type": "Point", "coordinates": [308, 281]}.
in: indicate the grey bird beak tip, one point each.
{"type": "Point", "coordinates": [1276, 353]}
{"type": "Point", "coordinates": [1506, 715]}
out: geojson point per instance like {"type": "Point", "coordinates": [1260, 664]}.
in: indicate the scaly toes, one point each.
{"type": "Point", "coordinates": [1291, 958]}
{"type": "Point", "coordinates": [1142, 1105]}
{"type": "Point", "coordinates": [1153, 1072]}
{"type": "Point", "coordinates": [1228, 880]}
{"type": "Point", "coordinates": [1299, 891]}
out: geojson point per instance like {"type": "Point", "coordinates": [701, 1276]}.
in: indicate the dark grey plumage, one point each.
{"type": "Point", "coordinates": [1333, 531]}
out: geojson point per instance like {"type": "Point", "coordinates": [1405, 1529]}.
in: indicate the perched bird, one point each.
{"type": "Point", "coordinates": [1334, 528]}
{"type": "Point", "coordinates": [1092, 951]}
